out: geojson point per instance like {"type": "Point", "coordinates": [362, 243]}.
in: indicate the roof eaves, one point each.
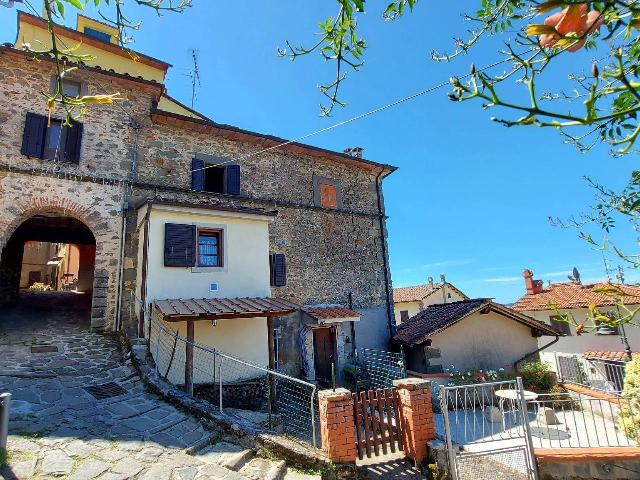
{"type": "Point", "coordinates": [279, 142]}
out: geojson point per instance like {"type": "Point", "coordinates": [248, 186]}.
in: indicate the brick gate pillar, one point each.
{"type": "Point", "coordinates": [417, 413]}
{"type": "Point", "coordinates": [337, 427]}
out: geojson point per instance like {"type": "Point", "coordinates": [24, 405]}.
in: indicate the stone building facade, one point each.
{"type": "Point", "coordinates": [133, 150]}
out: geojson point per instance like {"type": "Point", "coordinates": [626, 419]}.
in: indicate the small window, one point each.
{"type": "Point", "coordinates": [404, 315]}
{"type": "Point", "coordinates": [328, 195]}
{"type": "Point", "coordinates": [604, 329]}
{"type": "Point", "coordinates": [97, 34]}
{"type": "Point", "coordinates": [209, 248]}
{"type": "Point", "coordinates": [71, 89]}
{"type": "Point", "coordinates": [560, 325]}
{"type": "Point", "coordinates": [214, 179]}
{"type": "Point", "coordinates": [55, 140]}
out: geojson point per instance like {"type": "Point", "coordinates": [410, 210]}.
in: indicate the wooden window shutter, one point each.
{"type": "Point", "coordinates": [35, 129]}
{"type": "Point", "coordinates": [232, 179]}
{"type": "Point", "coordinates": [179, 245]}
{"type": "Point", "coordinates": [197, 175]}
{"type": "Point", "coordinates": [73, 142]}
{"type": "Point", "coordinates": [278, 270]}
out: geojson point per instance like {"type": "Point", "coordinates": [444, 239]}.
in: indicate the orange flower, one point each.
{"type": "Point", "coordinates": [574, 22]}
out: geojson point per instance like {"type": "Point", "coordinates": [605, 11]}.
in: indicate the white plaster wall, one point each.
{"type": "Point", "coordinates": [488, 341]}
{"type": "Point", "coordinates": [244, 338]}
{"type": "Point", "coordinates": [587, 341]}
{"type": "Point", "coordinates": [246, 257]}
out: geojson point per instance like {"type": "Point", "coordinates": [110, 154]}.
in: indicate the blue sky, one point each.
{"type": "Point", "coordinates": [470, 198]}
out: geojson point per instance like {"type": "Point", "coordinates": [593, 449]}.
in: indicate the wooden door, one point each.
{"type": "Point", "coordinates": [324, 350]}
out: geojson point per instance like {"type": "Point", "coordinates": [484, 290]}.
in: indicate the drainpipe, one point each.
{"type": "Point", "coordinates": [353, 326]}
{"type": "Point", "coordinates": [128, 190]}
{"type": "Point", "coordinates": [143, 279]}
{"type": "Point", "coordinates": [385, 260]}
{"type": "Point", "coordinates": [515, 364]}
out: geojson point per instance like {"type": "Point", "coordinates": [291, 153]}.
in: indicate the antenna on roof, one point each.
{"type": "Point", "coordinates": [575, 276]}
{"type": "Point", "coordinates": [194, 75]}
{"type": "Point", "coordinates": [620, 274]}
{"type": "Point", "coordinates": [606, 267]}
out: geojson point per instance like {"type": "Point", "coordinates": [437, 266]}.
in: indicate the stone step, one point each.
{"type": "Point", "coordinates": [264, 469]}
{"type": "Point", "coordinates": [228, 455]}
{"type": "Point", "coordinates": [293, 474]}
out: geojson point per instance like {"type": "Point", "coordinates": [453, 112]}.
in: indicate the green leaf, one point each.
{"type": "Point", "coordinates": [76, 3]}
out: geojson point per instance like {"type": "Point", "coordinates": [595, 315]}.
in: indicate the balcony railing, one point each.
{"type": "Point", "coordinates": [599, 375]}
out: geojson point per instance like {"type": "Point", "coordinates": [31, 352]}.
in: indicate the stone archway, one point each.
{"type": "Point", "coordinates": [54, 222]}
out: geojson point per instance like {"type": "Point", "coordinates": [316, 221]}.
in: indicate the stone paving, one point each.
{"type": "Point", "coordinates": [58, 429]}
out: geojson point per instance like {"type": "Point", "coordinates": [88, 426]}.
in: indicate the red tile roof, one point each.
{"type": "Point", "coordinates": [575, 295]}
{"type": "Point", "coordinates": [438, 317]}
{"type": "Point", "coordinates": [610, 356]}
{"type": "Point", "coordinates": [180, 309]}
{"type": "Point", "coordinates": [416, 293]}
{"type": "Point", "coordinates": [329, 314]}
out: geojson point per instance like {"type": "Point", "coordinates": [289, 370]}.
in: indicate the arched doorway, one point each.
{"type": "Point", "coordinates": [48, 262]}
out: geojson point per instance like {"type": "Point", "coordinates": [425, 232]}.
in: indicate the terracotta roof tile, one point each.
{"type": "Point", "coordinates": [611, 356]}
{"type": "Point", "coordinates": [438, 317]}
{"type": "Point", "coordinates": [416, 293]}
{"type": "Point", "coordinates": [574, 295]}
{"type": "Point", "coordinates": [331, 313]}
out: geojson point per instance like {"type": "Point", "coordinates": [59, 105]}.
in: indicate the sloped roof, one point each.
{"type": "Point", "coordinates": [332, 314]}
{"type": "Point", "coordinates": [416, 293]}
{"type": "Point", "coordinates": [575, 295]}
{"type": "Point", "coordinates": [606, 356]}
{"type": "Point", "coordinates": [435, 318]}
{"type": "Point", "coordinates": [181, 309]}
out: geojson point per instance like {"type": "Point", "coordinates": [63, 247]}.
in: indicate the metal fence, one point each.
{"type": "Point", "coordinates": [568, 420]}
{"type": "Point", "coordinates": [599, 375]}
{"type": "Point", "coordinates": [266, 397]}
{"type": "Point", "coordinates": [378, 369]}
{"type": "Point", "coordinates": [487, 424]}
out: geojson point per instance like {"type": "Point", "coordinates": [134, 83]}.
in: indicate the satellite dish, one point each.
{"type": "Point", "coordinates": [575, 275]}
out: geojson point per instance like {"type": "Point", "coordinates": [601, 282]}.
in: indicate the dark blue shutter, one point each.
{"type": "Point", "coordinates": [179, 245]}
{"type": "Point", "coordinates": [278, 270]}
{"type": "Point", "coordinates": [73, 142]}
{"type": "Point", "coordinates": [35, 129]}
{"type": "Point", "coordinates": [197, 175]}
{"type": "Point", "coordinates": [232, 179]}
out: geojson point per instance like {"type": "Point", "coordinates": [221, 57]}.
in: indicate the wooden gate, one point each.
{"type": "Point", "coordinates": [379, 423]}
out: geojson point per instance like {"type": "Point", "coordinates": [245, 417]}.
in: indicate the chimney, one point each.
{"type": "Point", "coordinates": [354, 151]}
{"type": "Point", "coordinates": [430, 281]}
{"type": "Point", "coordinates": [533, 286]}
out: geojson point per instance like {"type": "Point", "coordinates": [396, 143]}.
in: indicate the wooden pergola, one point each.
{"type": "Point", "coordinates": [213, 309]}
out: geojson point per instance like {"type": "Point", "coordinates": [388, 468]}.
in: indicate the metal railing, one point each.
{"type": "Point", "coordinates": [568, 420]}
{"type": "Point", "coordinates": [599, 375]}
{"type": "Point", "coordinates": [277, 401]}
{"type": "Point", "coordinates": [5, 402]}
{"type": "Point", "coordinates": [378, 368]}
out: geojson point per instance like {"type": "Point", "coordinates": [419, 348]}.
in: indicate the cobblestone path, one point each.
{"type": "Point", "coordinates": [58, 429]}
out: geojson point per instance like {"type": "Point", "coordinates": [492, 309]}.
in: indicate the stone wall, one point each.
{"type": "Point", "coordinates": [23, 195]}
{"type": "Point", "coordinates": [330, 253]}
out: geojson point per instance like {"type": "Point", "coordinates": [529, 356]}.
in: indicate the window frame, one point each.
{"type": "Point", "coordinates": [566, 328]}
{"type": "Point", "coordinates": [404, 315]}
{"type": "Point", "coordinates": [317, 197]}
{"type": "Point", "coordinates": [219, 234]}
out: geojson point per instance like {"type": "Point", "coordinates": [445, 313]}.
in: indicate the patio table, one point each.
{"type": "Point", "coordinates": [510, 395]}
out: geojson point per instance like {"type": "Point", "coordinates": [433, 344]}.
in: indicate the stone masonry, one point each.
{"type": "Point", "coordinates": [330, 253]}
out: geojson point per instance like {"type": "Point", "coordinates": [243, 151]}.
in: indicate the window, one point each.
{"type": "Point", "coordinates": [278, 265]}
{"type": "Point", "coordinates": [55, 140]}
{"type": "Point", "coordinates": [71, 89]}
{"type": "Point", "coordinates": [326, 192]}
{"type": "Point", "coordinates": [404, 315]}
{"type": "Point", "coordinates": [97, 34]}
{"type": "Point", "coordinates": [560, 325]}
{"type": "Point", "coordinates": [209, 248]}
{"type": "Point", "coordinates": [51, 140]}
{"type": "Point", "coordinates": [210, 177]}
{"type": "Point", "coordinates": [328, 196]}
{"type": "Point", "coordinates": [604, 329]}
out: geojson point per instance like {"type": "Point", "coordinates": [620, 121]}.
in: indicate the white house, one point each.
{"type": "Point", "coordinates": [409, 301]}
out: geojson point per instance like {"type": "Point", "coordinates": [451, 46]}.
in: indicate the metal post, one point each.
{"type": "Point", "coordinates": [404, 362]}
{"type": "Point", "coordinates": [444, 406]}
{"type": "Point", "coordinates": [188, 364]}
{"type": "Point", "coordinates": [313, 416]}
{"type": "Point", "coordinates": [220, 377]}
{"type": "Point", "coordinates": [5, 402]}
{"type": "Point", "coordinates": [333, 375]}
{"type": "Point", "coordinates": [527, 429]}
